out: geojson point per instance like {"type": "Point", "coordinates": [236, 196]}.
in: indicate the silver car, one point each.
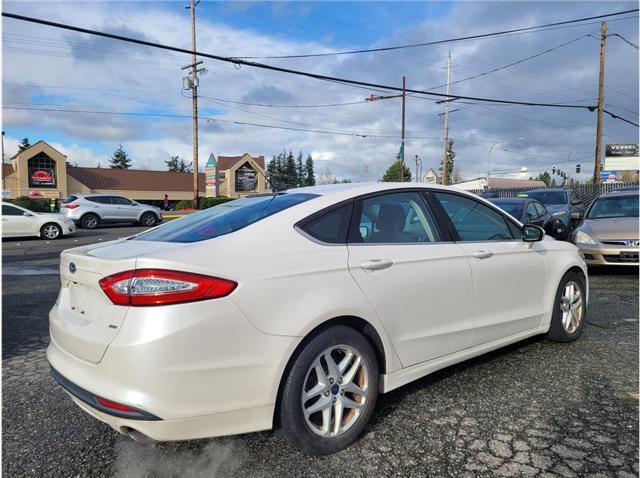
{"type": "Point", "coordinates": [91, 210]}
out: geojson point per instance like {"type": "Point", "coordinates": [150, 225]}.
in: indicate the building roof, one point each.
{"type": "Point", "coordinates": [228, 162]}
{"type": "Point", "coordinates": [33, 146]}
{"type": "Point", "coordinates": [515, 183]}
{"type": "Point", "coordinates": [135, 179]}
{"type": "Point", "coordinates": [7, 169]}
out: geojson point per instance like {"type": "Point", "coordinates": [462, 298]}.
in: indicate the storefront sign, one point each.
{"type": "Point", "coordinates": [210, 173]}
{"type": "Point", "coordinates": [622, 157]}
{"type": "Point", "coordinates": [42, 177]}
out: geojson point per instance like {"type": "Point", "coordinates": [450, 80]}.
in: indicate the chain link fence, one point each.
{"type": "Point", "coordinates": [586, 192]}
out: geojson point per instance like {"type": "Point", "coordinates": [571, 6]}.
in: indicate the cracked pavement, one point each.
{"type": "Point", "coordinates": [535, 408]}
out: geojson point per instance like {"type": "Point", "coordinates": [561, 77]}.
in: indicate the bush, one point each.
{"type": "Point", "coordinates": [206, 203]}
{"type": "Point", "coordinates": [36, 205]}
{"type": "Point", "coordinates": [184, 204]}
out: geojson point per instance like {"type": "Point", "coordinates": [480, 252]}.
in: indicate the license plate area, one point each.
{"type": "Point", "coordinates": [628, 256]}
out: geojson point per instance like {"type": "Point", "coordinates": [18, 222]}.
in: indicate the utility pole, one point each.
{"type": "Point", "coordinates": [404, 97]}
{"type": "Point", "coordinates": [418, 169]}
{"type": "Point", "coordinates": [4, 186]}
{"type": "Point", "coordinates": [603, 46]}
{"type": "Point", "coordinates": [193, 85]}
{"type": "Point", "coordinates": [445, 163]}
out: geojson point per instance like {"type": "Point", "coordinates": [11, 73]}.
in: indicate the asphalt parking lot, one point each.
{"type": "Point", "coordinates": [533, 409]}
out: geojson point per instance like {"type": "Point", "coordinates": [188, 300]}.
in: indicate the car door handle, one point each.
{"type": "Point", "coordinates": [376, 264]}
{"type": "Point", "coordinates": [482, 254]}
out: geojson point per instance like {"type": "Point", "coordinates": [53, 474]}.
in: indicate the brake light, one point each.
{"type": "Point", "coordinates": [144, 287]}
{"type": "Point", "coordinates": [71, 206]}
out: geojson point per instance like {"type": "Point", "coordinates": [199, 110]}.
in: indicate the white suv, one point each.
{"type": "Point", "coordinates": [90, 210]}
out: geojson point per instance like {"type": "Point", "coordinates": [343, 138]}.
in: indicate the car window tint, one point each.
{"type": "Point", "coordinates": [99, 199]}
{"type": "Point", "coordinates": [513, 208]}
{"type": "Point", "coordinates": [532, 213]}
{"type": "Point", "coordinates": [611, 207]}
{"type": "Point", "coordinates": [224, 218]}
{"type": "Point", "coordinates": [11, 211]}
{"type": "Point", "coordinates": [395, 218]}
{"type": "Point", "coordinates": [120, 201]}
{"type": "Point", "coordinates": [70, 199]}
{"type": "Point", "coordinates": [331, 227]}
{"type": "Point", "coordinates": [541, 209]}
{"type": "Point", "coordinates": [548, 197]}
{"type": "Point", "coordinates": [474, 221]}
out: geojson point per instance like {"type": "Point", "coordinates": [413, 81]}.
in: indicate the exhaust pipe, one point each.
{"type": "Point", "coordinates": [138, 437]}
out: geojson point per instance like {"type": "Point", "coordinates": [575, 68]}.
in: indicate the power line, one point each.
{"type": "Point", "coordinates": [615, 116]}
{"type": "Point", "coordinates": [237, 61]}
{"type": "Point", "coordinates": [624, 40]}
{"type": "Point", "coordinates": [349, 103]}
{"type": "Point", "coordinates": [439, 42]}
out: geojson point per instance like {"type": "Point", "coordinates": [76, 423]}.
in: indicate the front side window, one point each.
{"type": "Point", "coordinates": [11, 211]}
{"type": "Point", "coordinates": [120, 201]}
{"type": "Point", "coordinates": [541, 209]}
{"type": "Point", "coordinates": [532, 213]}
{"type": "Point", "coordinates": [394, 218]}
{"type": "Point", "coordinates": [612, 207]}
{"type": "Point", "coordinates": [474, 221]}
{"type": "Point", "coordinates": [223, 219]}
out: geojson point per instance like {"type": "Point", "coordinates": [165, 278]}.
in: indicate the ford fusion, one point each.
{"type": "Point", "coordinates": [294, 310]}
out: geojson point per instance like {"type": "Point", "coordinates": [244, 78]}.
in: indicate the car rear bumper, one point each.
{"type": "Point", "coordinates": [200, 368]}
{"type": "Point", "coordinates": [609, 256]}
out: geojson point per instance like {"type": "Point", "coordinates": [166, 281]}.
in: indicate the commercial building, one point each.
{"type": "Point", "coordinates": [41, 171]}
{"type": "Point", "coordinates": [496, 183]}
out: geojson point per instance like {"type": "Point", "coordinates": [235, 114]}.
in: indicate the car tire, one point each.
{"type": "Point", "coordinates": [90, 221]}
{"type": "Point", "coordinates": [569, 309]}
{"type": "Point", "coordinates": [148, 219]}
{"type": "Point", "coordinates": [353, 381]}
{"type": "Point", "coordinates": [51, 231]}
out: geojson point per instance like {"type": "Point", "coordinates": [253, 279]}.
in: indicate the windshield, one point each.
{"type": "Point", "coordinates": [513, 208]}
{"type": "Point", "coordinates": [223, 219]}
{"type": "Point", "coordinates": [612, 207]}
{"type": "Point", "coordinates": [549, 198]}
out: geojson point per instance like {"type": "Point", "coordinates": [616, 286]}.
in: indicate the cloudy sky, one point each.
{"type": "Point", "coordinates": [50, 69]}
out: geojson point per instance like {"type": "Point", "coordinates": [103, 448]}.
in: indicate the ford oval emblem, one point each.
{"type": "Point", "coordinates": [72, 267]}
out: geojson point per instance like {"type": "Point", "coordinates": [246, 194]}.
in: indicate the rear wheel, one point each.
{"type": "Point", "coordinates": [569, 309]}
{"type": "Point", "coordinates": [51, 231]}
{"type": "Point", "coordinates": [148, 219]}
{"type": "Point", "coordinates": [90, 221]}
{"type": "Point", "coordinates": [330, 392]}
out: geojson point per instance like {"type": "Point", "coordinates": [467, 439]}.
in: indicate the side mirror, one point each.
{"type": "Point", "coordinates": [576, 202]}
{"type": "Point", "coordinates": [576, 215]}
{"type": "Point", "coordinates": [28, 214]}
{"type": "Point", "coordinates": [531, 233]}
{"type": "Point", "coordinates": [133, 203]}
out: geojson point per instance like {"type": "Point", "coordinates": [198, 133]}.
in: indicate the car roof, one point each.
{"type": "Point", "coordinates": [620, 193]}
{"type": "Point", "coordinates": [364, 188]}
{"type": "Point", "coordinates": [513, 200]}
{"type": "Point", "coordinates": [551, 190]}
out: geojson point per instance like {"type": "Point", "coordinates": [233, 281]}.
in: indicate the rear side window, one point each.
{"type": "Point", "coordinates": [11, 211]}
{"type": "Point", "coordinates": [224, 218]}
{"type": "Point", "coordinates": [99, 199]}
{"type": "Point", "coordinates": [331, 227]}
{"type": "Point", "coordinates": [474, 221]}
{"type": "Point", "coordinates": [70, 199]}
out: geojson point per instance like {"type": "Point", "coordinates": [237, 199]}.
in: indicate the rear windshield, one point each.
{"type": "Point", "coordinates": [223, 219]}
{"type": "Point", "coordinates": [513, 208]}
{"type": "Point", "coordinates": [69, 199]}
{"type": "Point", "coordinates": [548, 197]}
{"type": "Point", "coordinates": [612, 207]}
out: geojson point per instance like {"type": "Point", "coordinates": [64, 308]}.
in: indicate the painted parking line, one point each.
{"type": "Point", "coordinates": [30, 271]}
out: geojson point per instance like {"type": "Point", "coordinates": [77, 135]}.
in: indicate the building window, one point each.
{"type": "Point", "coordinates": [246, 179]}
{"type": "Point", "coordinates": [42, 171]}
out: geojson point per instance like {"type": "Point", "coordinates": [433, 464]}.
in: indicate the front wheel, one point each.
{"type": "Point", "coordinates": [569, 309]}
{"type": "Point", "coordinates": [330, 392]}
{"type": "Point", "coordinates": [148, 219]}
{"type": "Point", "coordinates": [51, 231]}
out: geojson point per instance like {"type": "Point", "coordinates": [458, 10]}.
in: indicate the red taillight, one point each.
{"type": "Point", "coordinates": [162, 287]}
{"type": "Point", "coordinates": [71, 206]}
{"type": "Point", "coordinates": [115, 406]}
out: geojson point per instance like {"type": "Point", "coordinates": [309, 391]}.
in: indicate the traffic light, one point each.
{"type": "Point", "coordinates": [577, 168]}
{"type": "Point", "coordinates": [553, 170]}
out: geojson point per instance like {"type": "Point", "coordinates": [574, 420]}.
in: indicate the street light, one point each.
{"type": "Point", "coordinates": [489, 165]}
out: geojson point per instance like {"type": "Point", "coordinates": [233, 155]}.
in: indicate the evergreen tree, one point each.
{"type": "Point", "coordinates": [172, 164]}
{"type": "Point", "coordinates": [185, 167]}
{"type": "Point", "coordinates": [120, 159]}
{"type": "Point", "coordinates": [290, 171]}
{"type": "Point", "coordinates": [449, 164]}
{"type": "Point", "coordinates": [299, 171]}
{"type": "Point", "coordinates": [309, 176]}
{"type": "Point", "coordinates": [24, 144]}
{"type": "Point", "coordinates": [546, 178]}
{"type": "Point", "coordinates": [393, 173]}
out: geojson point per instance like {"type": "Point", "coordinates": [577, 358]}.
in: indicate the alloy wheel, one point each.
{"type": "Point", "coordinates": [572, 306]}
{"type": "Point", "coordinates": [335, 391]}
{"type": "Point", "coordinates": [50, 231]}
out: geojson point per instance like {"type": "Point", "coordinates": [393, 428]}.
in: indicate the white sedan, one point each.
{"type": "Point", "coordinates": [20, 222]}
{"type": "Point", "coordinates": [295, 310]}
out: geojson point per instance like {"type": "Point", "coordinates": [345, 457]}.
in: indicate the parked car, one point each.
{"type": "Point", "coordinates": [530, 211]}
{"type": "Point", "coordinates": [564, 204]}
{"type": "Point", "coordinates": [296, 309]}
{"type": "Point", "coordinates": [91, 210]}
{"type": "Point", "coordinates": [18, 222]}
{"type": "Point", "coordinates": [609, 233]}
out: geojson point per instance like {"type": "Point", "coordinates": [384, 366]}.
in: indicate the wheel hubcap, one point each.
{"type": "Point", "coordinates": [572, 307]}
{"type": "Point", "coordinates": [51, 232]}
{"type": "Point", "coordinates": [90, 222]}
{"type": "Point", "coordinates": [335, 391]}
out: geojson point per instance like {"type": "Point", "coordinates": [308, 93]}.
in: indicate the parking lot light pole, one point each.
{"type": "Point", "coordinates": [489, 165]}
